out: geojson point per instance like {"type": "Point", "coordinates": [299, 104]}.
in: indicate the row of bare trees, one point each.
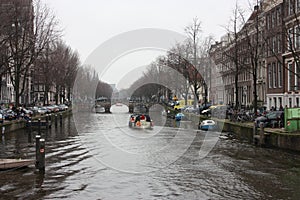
{"type": "Point", "coordinates": [183, 69]}
{"type": "Point", "coordinates": [32, 51]}
{"type": "Point", "coordinates": [25, 31]}
{"type": "Point", "coordinates": [57, 67]}
{"type": "Point", "coordinates": [88, 87]}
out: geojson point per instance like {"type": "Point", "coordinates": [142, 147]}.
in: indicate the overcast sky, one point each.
{"type": "Point", "coordinates": [89, 23]}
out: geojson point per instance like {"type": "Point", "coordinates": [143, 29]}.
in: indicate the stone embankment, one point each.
{"type": "Point", "coordinates": [272, 137]}
{"type": "Point", "coordinates": [9, 126]}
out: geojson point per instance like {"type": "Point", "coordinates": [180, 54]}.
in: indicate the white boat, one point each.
{"type": "Point", "coordinates": [99, 109]}
{"type": "Point", "coordinates": [140, 121]}
{"type": "Point", "coordinates": [207, 125]}
{"type": "Point", "coordinates": [15, 163]}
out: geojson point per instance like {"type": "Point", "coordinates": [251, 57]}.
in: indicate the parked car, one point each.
{"type": "Point", "coordinates": [204, 107]}
{"type": "Point", "coordinates": [62, 107]}
{"type": "Point", "coordinates": [34, 109]}
{"type": "Point", "coordinates": [9, 114]}
{"type": "Point", "coordinates": [43, 110]}
{"type": "Point", "coordinates": [271, 119]}
{"type": "Point", "coordinates": [190, 109]}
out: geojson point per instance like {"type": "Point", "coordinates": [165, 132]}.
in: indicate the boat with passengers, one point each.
{"type": "Point", "coordinates": [142, 121]}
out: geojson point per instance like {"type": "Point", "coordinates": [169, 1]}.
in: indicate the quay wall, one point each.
{"type": "Point", "coordinates": [274, 137]}
{"type": "Point", "coordinates": [10, 126]}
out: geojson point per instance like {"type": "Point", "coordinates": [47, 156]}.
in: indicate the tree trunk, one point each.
{"type": "Point", "coordinates": [57, 94]}
{"type": "Point", "coordinates": [255, 93]}
{"type": "Point", "coordinates": [236, 90]}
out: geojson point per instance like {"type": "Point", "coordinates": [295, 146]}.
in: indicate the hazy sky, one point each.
{"type": "Point", "coordinates": [89, 23]}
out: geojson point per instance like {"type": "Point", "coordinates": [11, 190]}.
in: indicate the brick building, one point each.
{"type": "Point", "coordinates": [275, 28]}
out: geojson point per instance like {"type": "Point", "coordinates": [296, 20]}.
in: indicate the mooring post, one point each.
{"type": "Point", "coordinates": [262, 134]}
{"type": "Point", "coordinates": [254, 131]}
{"type": "Point", "coordinates": [29, 126]}
{"type": "Point", "coordinates": [60, 118]}
{"type": "Point", "coordinates": [55, 120]}
{"type": "Point", "coordinates": [2, 122]}
{"type": "Point", "coordinates": [47, 120]}
{"type": "Point", "coordinates": [37, 147]}
{"type": "Point", "coordinates": [50, 120]}
{"type": "Point", "coordinates": [39, 122]}
{"type": "Point", "coordinates": [41, 157]}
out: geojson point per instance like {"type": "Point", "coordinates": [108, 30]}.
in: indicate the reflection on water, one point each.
{"type": "Point", "coordinates": [75, 168]}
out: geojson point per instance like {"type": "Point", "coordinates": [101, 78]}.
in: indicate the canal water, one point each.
{"type": "Point", "coordinates": [97, 156]}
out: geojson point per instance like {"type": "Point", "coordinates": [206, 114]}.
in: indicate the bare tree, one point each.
{"type": "Point", "coordinates": [231, 58]}
{"type": "Point", "coordinates": [28, 30]}
{"type": "Point", "coordinates": [104, 90]}
{"type": "Point", "coordinates": [193, 32]}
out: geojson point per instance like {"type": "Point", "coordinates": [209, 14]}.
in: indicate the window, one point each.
{"type": "Point", "coordinates": [273, 19]}
{"type": "Point", "coordinates": [278, 12]}
{"type": "Point", "coordinates": [297, 5]}
{"type": "Point", "coordinates": [268, 21]}
{"type": "Point", "coordinates": [297, 74]}
{"type": "Point", "coordinates": [270, 75]}
{"type": "Point", "coordinates": [275, 102]}
{"type": "Point", "coordinates": [278, 44]}
{"type": "Point", "coordinates": [274, 75]}
{"type": "Point", "coordinates": [280, 74]}
{"type": "Point", "coordinates": [291, 7]}
{"type": "Point", "coordinates": [297, 37]}
{"type": "Point", "coordinates": [290, 76]}
{"type": "Point", "coordinates": [290, 39]}
{"type": "Point", "coordinates": [297, 102]}
{"type": "Point", "coordinates": [280, 101]}
{"type": "Point", "coordinates": [274, 45]}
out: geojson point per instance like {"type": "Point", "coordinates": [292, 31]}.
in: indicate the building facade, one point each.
{"type": "Point", "coordinates": [274, 28]}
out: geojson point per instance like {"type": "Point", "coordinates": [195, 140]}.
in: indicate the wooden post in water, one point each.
{"type": "Point", "coordinates": [41, 155]}
{"type": "Point", "coordinates": [261, 134]}
{"type": "Point", "coordinates": [60, 118]}
{"type": "Point", "coordinates": [30, 126]}
{"type": "Point", "coordinates": [254, 132]}
{"type": "Point", "coordinates": [47, 121]}
{"type": "Point", "coordinates": [37, 147]}
{"type": "Point", "coordinates": [39, 120]}
{"type": "Point", "coordinates": [55, 120]}
{"type": "Point", "coordinates": [50, 120]}
{"type": "Point", "coordinates": [29, 133]}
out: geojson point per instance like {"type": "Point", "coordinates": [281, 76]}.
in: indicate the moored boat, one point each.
{"type": "Point", "coordinates": [207, 125]}
{"type": "Point", "coordinates": [15, 163]}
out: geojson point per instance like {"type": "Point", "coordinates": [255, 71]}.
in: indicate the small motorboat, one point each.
{"type": "Point", "coordinates": [207, 125]}
{"type": "Point", "coordinates": [142, 121]}
{"type": "Point", "coordinates": [99, 109]}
